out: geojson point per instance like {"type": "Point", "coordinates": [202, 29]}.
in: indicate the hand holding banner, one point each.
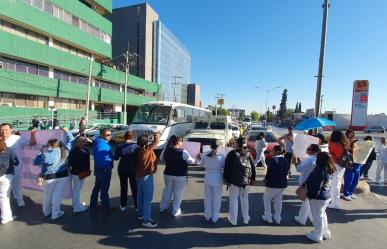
{"type": "Point", "coordinates": [301, 142]}
{"type": "Point", "coordinates": [362, 150]}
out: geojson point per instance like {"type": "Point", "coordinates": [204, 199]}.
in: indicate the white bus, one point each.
{"type": "Point", "coordinates": [166, 118]}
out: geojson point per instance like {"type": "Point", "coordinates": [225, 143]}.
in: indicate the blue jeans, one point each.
{"type": "Point", "coordinates": [102, 184]}
{"type": "Point", "coordinates": [145, 196]}
{"type": "Point", "coordinates": [351, 179]}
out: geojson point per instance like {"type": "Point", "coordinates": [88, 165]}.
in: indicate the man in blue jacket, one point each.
{"type": "Point", "coordinates": [275, 182]}
{"type": "Point", "coordinates": [103, 164]}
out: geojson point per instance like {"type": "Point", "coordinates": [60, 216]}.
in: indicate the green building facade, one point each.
{"type": "Point", "coordinates": [47, 48]}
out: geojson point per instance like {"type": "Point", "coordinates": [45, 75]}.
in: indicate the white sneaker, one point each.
{"type": "Point", "coordinates": [327, 235]}
{"type": "Point", "coordinates": [20, 202]}
{"type": "Point", "coordinates": [268, 220]}
{"type": "Point", "coordinates": [123, 209]}
{"type": "Point", "coordinates": [80, 210]}
{"type": "Point", "coordinates": [8, 220]}
{"type": "Point", "coordinates": [57, 216]}
{"type": "Point", "coordinates": [354, 197]}
{"type": "Point", "coordinates": [232, 223]}
{"type": "Point", "coordinates": [178, 213]}
{"type": "Point", "coordinates": [298, 220]}
{"type": "Point", "coordinates": [313, 237]}
{"type": "Point", "coordinates": [347, 198]}
{"type": "Point", "coordinates": [334, 206]}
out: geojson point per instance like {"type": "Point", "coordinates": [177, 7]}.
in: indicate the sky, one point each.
{"type": "Point", "coordinates": [237, 45]}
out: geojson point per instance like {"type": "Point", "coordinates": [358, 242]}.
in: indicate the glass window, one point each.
{"type": "Point", "coordinates": [32, 70]}
{"type": "Point", "coordinates": [32, 36]}
{"type": "Point", "coordinates": [19, 31]}
{"type": "Point", "coordinates": [67, 17]}
{"type": "Point", "coordinates": [43, 71]}
{"type": "Point", "coordinates": [48, 8]}
{"type": "Point", "coordinates": [42, 39]}
{"type": "Point", "coordinates": [21, 67]}
{"type": "Point", "coordinates": [37, 3]}
{"type": "Point", "coordinates": [75, 21]}
{"type": "Point", "coordinates": [152, 114]}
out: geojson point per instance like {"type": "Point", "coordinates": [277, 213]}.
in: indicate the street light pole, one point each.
{"type": "Point", "coordinates": [322, 55]}
{"type": "Point", "coordinates": [267, 98]}
{"type": "Point", "coordinates": [126, 84]}
{"type": "Point", "coordinates": [175, 84]}
{"type": "Point", "coordinates": [88, 91]}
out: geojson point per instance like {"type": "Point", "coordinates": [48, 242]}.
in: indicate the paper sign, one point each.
{"type": "Point", "coordinates": [193, 148]}
{"type": "Point", "coordinates": [206, 148]}
{"type": "Point", "coordinates": [301, 142]}
{"type": "Point", "coordinates": [362, 150]}
{"type": "Point", "coordinates": [27, 149]}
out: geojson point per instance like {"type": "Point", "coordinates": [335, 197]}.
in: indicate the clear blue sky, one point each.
{"type": "Point", "coordinates": [238, 44]}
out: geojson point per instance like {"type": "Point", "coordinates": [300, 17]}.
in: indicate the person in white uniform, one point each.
{"type": "Point", "coordinates": [260, 147]}
{"type": "Point", "coordinates": [305, 168]}
{"type": "Point", "coordinates": [381, 161]}
{"type": "Point", "coordinates": [175, 174]}
{"type": "Point", "coordinates": [8, 160]}
{"type": "Point", "coordinates": [213, 162]}
{"type": "Point", "coordinates": [12, 142]}
{"type": "Point", "coordinates": [239, 173]}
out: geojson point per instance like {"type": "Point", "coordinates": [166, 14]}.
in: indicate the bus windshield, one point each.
{"type": "Point", "coordinates": [152, 114]}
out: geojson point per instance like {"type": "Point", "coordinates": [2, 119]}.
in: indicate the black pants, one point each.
{"type": "Point", "coordinates": [366, 167]}
{"type": "Point", "coordinates": [289, 157]}
{"type": "Point", "coordinates": [124, 176]}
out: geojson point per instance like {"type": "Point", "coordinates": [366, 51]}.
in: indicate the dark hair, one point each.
{"type": "Point", "coordinates": [290, 128]}
{"type": "Point", "coordinates": [325, 160]}
{"type": "Point", "coordinates": [142, 140]}
{"type": "Point", "coordinates": [339, 137]}
{"type": "Point", "coordinates": [103, 130]}
{"type": "Point", "coordinates": [58, 144]}
{"type": "Point", "coordinates": [240, 142]}
{"type": "Point", "coordinates": [128, 135]}
{"type": "Point", "coordinates": [278, 149]}
{"type": "Point", "coordinates": [315, 148]}
{"type": "Point", "coordinates": [5, 124]}
{"type": "Point", "coordinates": [368, 138]}
{"type": "Point", "coordinates": [214, 144]}
{"type": "Point", "coordinates": [348, 131]}
{"type": "Point", "coordinates": [261, 135]}
{"type": "Point", "coordinates": [174, 140]}
{"type": "Point", "coordinates": [321, 137]}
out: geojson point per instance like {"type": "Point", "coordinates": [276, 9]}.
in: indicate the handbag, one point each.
{"type": "Point", "coordinates": [346, 160]}
{"type": "Point", "coordinates": [84, 174]}
{"type": "Point", "coordinates": [301, 192]}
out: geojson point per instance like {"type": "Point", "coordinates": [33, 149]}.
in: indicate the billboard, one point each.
{"type": "Point", "coordinates": [359, 105]}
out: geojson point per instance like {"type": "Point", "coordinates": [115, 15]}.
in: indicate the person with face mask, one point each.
{"type": "Point", "coordinates": [213, 162]}
{"type": "Point", "coordinates": [52, 159]}
{"type": "Point", "coordinates": [12, 141]}
{"type": "Point", "coordinates": [175, 174]}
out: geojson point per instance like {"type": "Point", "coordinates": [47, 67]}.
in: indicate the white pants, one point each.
{"type": "Point", "coordinates": [243, 194]}
{"type": "Point", "coordinates": [174, 187]}
{"type": "Point", "coordinates": [320, 224]}
{"type": "Point", "coordinates": [336, 185]}
{"type": "Point", "coordinates": [52, 198]}
{"type": "Point", "coordinates": [260, 158]}
{"type": "Point", "coordinates": [212, 201]}
{"type": "Point", "coordinates": [379, 170]}
{"type": "Point", "coordinates": [269, 195]}
{"type": "Point", "coordinates": [16, 184]}
{"type": "Point", "coordinates": [304, 212]}
{"type": "Point", "coordinates": [77, 187]}
{"type": "Point", "coordinates": [5, 206]}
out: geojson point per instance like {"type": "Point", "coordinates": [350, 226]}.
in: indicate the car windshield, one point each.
{"type": "Point", "coordinates": [217, 126]}
{"type": "Point", "coordinates": [201, 125]}
{"type": "Point", "coordinates": [234, 128]}
{"type": "Point", "coordinates": [152, 114]}
{"type": "Point", "coordinates": [258, 128]}
{"type": "Point", "coordinates": [269, 137]}
{"type": "Point", "coordinates": [101, 126]}
{"type": "Point", "coordinates": [247, 119]}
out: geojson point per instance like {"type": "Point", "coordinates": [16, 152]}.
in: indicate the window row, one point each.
{"type": "Point", "coordinates": [70, 49]}
{"type": "Point", "coordinates": [23, 67]}
{"type": "Point", "coordinates": [22, 32]}
{"type": "Point", "coordinates": [61, 75]}
{"type": "Point", "coordinates": [67, 17]}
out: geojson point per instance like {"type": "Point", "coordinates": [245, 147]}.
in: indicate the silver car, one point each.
{"type": "Point", "coordinates": [378, 129]}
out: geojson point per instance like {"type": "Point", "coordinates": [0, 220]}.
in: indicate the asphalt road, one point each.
{"type": "Point", "coordinates": [361, 223]}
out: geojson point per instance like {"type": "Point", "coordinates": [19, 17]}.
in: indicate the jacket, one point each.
{"type": "Point", "coordinates": [79, 160]}
{"type": "Point", "coordinates": [145, 159]}
{"type": "Point", "coordinates": [277, 172]}
{"type": "Point", "coordinates": [102, 153]}
{"type": "Point", "coordinates": [53, 166]}
{"type": "Point", "coordinates": [176, 161]}
{"type": "Point", "coordinates": [318, 184]}
{"type": "Point", "coordinates": [124, 153]}
{"type": "Point", "coordinates": [8, 161]}
{"type": "Point", "coordinates": [229, 164]}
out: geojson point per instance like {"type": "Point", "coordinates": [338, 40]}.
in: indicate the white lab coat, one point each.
{"type": "Point", "coordinates": [260, 147]}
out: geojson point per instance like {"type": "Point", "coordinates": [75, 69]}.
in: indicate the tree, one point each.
{"type": "Point", "coordinates": [282, 109]}
{"type": "Point", "coordinates": [296, 109]}
{"type": "Point", "coordinates": [254, 116]}
{"type": "Point", "coordinates": [299, 107]}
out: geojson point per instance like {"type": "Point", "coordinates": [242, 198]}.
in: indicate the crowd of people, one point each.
{"type": "Point", "coordinates": [321, 174]}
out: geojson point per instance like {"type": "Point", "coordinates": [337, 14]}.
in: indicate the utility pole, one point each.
{"type": "Point", "coordinates": [126, 84]}
{"type": "Point", "coordinates": [321, 103]}
{"type": "Point", "coordinates": [88, 90]}
{"type": "Point", "coordinates": [174, 85]}
{"type": "Point", "coordinates": [322, 55]}
{"type": "Point", "coordinates": [217, 97]}
{"type": "Point", "coordinates": [267, 98]}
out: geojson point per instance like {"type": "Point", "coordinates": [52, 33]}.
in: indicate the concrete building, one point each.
{"type": "Point", "coordinates": [161, 57]}
{"type": "Point", "coordinates": [193, 95]}
{"type": "Point", "coordinates": [47, 50]}
{"type": "Point", "coordinates": [236, 113]}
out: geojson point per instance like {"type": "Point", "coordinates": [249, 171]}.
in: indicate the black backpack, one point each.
{"type": "Point", "coordinates": [346, 160]}
{"type": "Point", "coordinates": [241, 171]}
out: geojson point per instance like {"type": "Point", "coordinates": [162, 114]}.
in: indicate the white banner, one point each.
{"type": "Point", "coordinates": [362, 150]}
{"type": "Point", "coordinates": [301, 142]}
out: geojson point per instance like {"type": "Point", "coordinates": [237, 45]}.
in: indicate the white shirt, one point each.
{"type": "Point", "coordinates": [306, 167]}
{"type": "Point", "coordinates": [288, 142]}
{"type": "Point", "coordinates": [260, 146]}
{"type": "Point", "coordinates": [214, 168]}
{"type": "Point", "coordinates": [382, 153]}
{"type": "Point", "coordinates": [11, 141]}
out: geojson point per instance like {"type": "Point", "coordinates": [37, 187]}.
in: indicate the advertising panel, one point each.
{"type": "Point", "coordinates": [359, 105]}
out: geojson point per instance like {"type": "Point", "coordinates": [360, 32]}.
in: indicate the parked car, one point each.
{"type": "Point", "coordinates": [379, 129]}
{"type": "Point", "coordinates": [269, 137]}
{"type": "Point", "coordinates": [236, 131]}
{"type": "Point", "coordinates": [260, 128]}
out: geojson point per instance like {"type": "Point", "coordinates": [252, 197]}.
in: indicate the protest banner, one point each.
{"type": "Point", "coordinates": [193, 148]}
{"type": "Point", "coordinates": [206, 148]}
{"type": "Point", "coordinates": [301, 142]}
{"type": "Point", "coordinates": [28, 147]}
{"type": "Point", "coordinates": [362, 150]}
